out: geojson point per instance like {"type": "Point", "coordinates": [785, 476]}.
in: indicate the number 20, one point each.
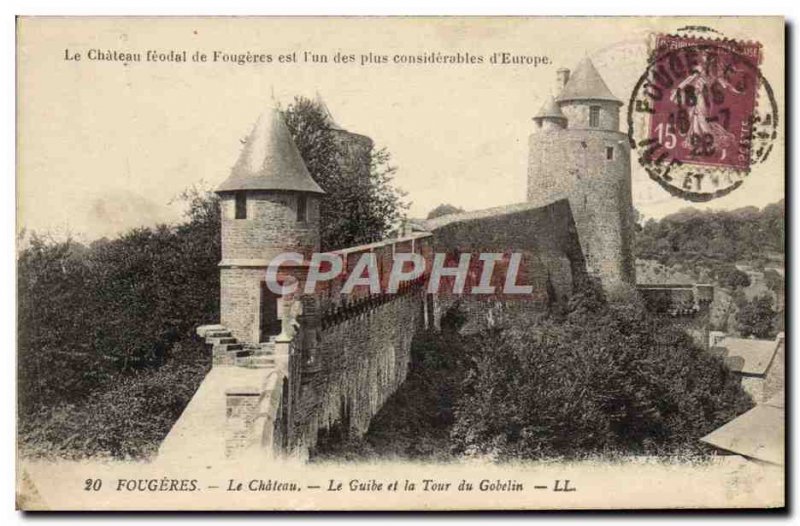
{"type": "Point", "coordinates": [93, 485]}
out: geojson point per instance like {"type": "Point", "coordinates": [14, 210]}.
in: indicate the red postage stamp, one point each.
{"type": "Point", "coordinates": [701, 125]}
{"type": "Point", "coordinates": [705, 115]}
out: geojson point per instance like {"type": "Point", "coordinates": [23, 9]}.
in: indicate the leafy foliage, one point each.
{"type": "Point", "coordinates": [774, 281]}
{"type": "Point", "coordinates": [357, 208]}
{"type": "Point", "coordinates": [745, 234]}
{"type": "Point", "coordinates": [101, 319]}
{"type": "Point", "coordinates": [731, 277]}
{"type": "Point", "coordinates": [443, 210]}
{"type": "Point", "coordinates": [601, 378]}
{"type": "Point", "coordinates": [756, 318]}
{"type": "Point", "coordinates": [126, 419]}
{"type": "Point", "coordinates": [596, 377]}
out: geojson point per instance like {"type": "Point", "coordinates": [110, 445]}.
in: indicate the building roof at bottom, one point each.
{"type": "Point", "coordinates": [755, 356]}
{"type": "Point", "coordinates": [758, 434]}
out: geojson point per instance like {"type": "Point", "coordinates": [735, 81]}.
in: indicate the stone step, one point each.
{"type": "Point", "coordinates": [229, 348]}
{"type": "Point", "coordinates": [263, 361]}
{"type": "Point", "coordinates": [250, 362]}
{"type": "Point", "coordinates": [203, 330]}
{"type": "Point", "coordinates": [264, 351]}
{"type": "Point", "coordinates": [218, 334]}
{"type": "Point", "coordinates": [221, 341]}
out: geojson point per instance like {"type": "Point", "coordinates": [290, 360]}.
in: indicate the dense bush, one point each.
{"type": "Point", "coordinates": [690, 236]}
{"type": "Point", "coordinates": [443, 210]}
{"type": "Point", "coordinates": [729, 276]}
{"type": "Point", "coordinates": [127, 419]}
{"type": "Point", "coordinates": [774, 281]}
{"type": "Point", "coordinates": [89, 315]}
{"type": "Point", "coordinates": [601, 378]}
{"type": "Point", "coordinates": [594, 378]}
{"type": "Point", "coordinates": [756, 318]}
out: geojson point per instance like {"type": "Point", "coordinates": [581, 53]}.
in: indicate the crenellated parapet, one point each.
{"type": "Point", "coordinates": [295, 354]}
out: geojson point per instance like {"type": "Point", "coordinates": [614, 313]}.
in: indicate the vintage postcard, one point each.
{"type": "Point", "coordinates": [434, 263]}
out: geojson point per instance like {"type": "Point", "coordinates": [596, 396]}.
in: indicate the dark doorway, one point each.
{"type": "Point", "coordinates": [269, 324]}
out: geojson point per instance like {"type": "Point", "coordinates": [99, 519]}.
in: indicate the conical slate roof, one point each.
{"type": "Point", "coordinates": [585, 83]}
{"type": "Point", "coordinates": [332, 124]}
{"type": "Point", "coordinates": [270, 160]}
{"type": "Point", "coordinates": [550, 110]}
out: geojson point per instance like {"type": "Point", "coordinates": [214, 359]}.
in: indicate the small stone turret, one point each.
{"type": "Point", "coordinates": [270, 205]}
{"type": "Point", "coordinates": [550, 117]}
{"type": "Point", "coordinates": [578, 152]}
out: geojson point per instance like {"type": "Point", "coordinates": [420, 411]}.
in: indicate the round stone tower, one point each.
{"type": "Point", "coordinates": [269, 205]}
{"type": "Point", "coordinates": [353, 150]}
{"type": "Point", "coordinates": [577, 152]}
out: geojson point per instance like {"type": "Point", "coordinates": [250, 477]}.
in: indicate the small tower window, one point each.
{"type": "Point", "coordinates": [609, 153]}
{"type": "Point", "coordinates": [241, 205]}
{"type": "Point", "coordinates": [594, 116]}
{"type": "Point", "coordinates": [302, 209]}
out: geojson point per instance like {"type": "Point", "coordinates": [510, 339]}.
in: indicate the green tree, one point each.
{"type": "Point", "coordinates": [729, 276]}
{"type": "Point", "coordinates": [726, 236]}
{"type": "Point", "coordinates": [55, 357]}
{"type": "Point", "coordinates": [773, 280]}
{"type": "Point", "coordinates": [355, 210]}
{"type": "Point", "coordinates": [90, 314]}
{"type": "Point", "coordinates": [756, 318]}
{"type": "Point", "coordinates": [600, 378]}
{"type": "Point", "coordinates": [443, 210]}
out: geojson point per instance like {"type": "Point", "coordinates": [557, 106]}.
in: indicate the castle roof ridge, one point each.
{"type": "Point", "coordinates": [270, 160]}
{"type": "Point", "coordinates": [550, 110]}
{"type": "Point", "coordinates": [332, 124]}
{"type": "Point", "coordinates": [485, 213]}
{"type": "Point", "coordinates": [585, 83]}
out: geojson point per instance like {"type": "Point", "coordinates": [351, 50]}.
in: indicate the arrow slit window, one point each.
{"type": "Point", "coordinates": [302, 209]}
{"type": "Point", "coordinates": [241, 205]}
{"type": "Point", "coordinates": [594, 116]}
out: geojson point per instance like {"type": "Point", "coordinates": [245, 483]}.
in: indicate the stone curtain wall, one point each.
{"type": "Point", "coordinates": [353, 350]}
{"type": "Point", "coordinates": [551, 263]}
{"type": "Point", "coordinates": [240, 412]}
{"type": "Point", "coordinates": [361, 359]}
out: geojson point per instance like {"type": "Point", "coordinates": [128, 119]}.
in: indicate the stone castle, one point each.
{"type": "Point", "coordinates": [286, 369]}
{"type": "Point", "coordinates": [577, 152]}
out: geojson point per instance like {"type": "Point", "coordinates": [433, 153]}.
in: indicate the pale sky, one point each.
{"type": "Point", "coordinates": [104, 147]}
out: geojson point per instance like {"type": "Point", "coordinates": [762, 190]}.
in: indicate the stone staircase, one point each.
{"type": "Point", "coordinates": [228, 410]}
{"type": "Point", "coordinates": [226, 350]}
